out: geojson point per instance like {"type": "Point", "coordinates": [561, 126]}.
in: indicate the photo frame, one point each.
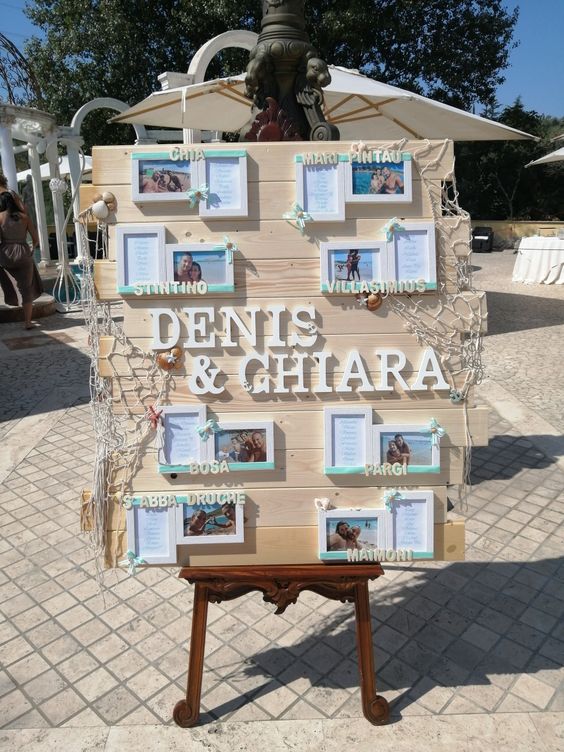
{"type": "Point", "coordinates": [414, 447]}
{"type": "Point", "coordinates": [200, 262]}
{"type": "Point", "coordinates": [410, 524]}
{"type": "Point", "coordinates": [346, 263]}
{"type": "Point", "coordinates": [320, 189]}
{"type": "Point", "coordinates": [181, 441]}
{"type": "Point", "coordinates": [354, 530]}
{"type": "Point", "coordinates": [412, 254]}
{"type": "Point", "coordinates": [140, 256]}
{"type": "Point", "coordinates": [151, 533]}
{"type": "Point", "coordinates": [348, 439]}
{"type": "Point", "coordinates": [378, 181]}
{"type": "Point", "coordinates": [245, 445]}
{"type": "Point", "coordinates": [157, 177]}
{"type": "Point", "coordinates": [225, 175]}
{"type": "Point", "coordinates": [209, 524]}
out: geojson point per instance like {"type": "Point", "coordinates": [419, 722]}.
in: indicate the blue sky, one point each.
{"type": "Point", "coordinates": [536, 71]}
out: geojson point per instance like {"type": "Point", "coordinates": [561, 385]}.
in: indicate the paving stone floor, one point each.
{"type": "Point", "coordinates": [481, 636]}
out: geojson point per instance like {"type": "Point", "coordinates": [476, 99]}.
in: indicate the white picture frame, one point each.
{"type": "Point", "coordinates": [360, 531]}
{"type": "Point", "coordinates": [157, 177]}
{"type": "Point", "coordinates": [213, 262]}
{"type": "Point", "coordinates": [410, 524]}
{"type": "Point", "coordinates": [213, 171]}
{"type": "Point", "coordinates": [329, 207]}
{"type": "Point", "coordinates": [369, 182]}
{"type": "Point", "coordinates": [335, 264]}
{"type": "Point", "coordinates": [341, 426]}
{"type": "Point", "coordinates": [404, 263]}
{"type": "Point", "coordinates": [161, 523]}
{"type": "Point", "coordinates": [182, 421]}
{"type": "Point", "coordinates": [236, 442]}
{"type": "Point", "coordinates": [209, 536]}
{"type": "Point", "coordinates": [419, 446]}
{"type": "Point", "coordinates": [146, 256]}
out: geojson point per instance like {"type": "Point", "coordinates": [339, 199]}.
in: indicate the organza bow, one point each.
{"type": "Point", "coordinates": [392, 226]}
{"type": "Point", "coordinates": [299, 215]}
{"type": "Point", "coordinates": [322, 503]}
{"type": "Point", "coordinates": [437, 432]}
{"type": "Point", "coordinates": [358, 148]}
{"type": "Point", "coordinates": [132, 562]}
{"type": "Point", "coordinates": [390, 497]}
{"type": "Point", "coordinates": [195, 195]}
{"type": "Point", "coordinates": [230, 247]}
{"type": "Point", "coordinates": [208, 429]}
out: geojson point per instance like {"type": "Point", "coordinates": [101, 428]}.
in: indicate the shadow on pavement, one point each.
{"type": "Point", "coordinates": [468, 625]}
{"type": "Point", "coordinates": [506, 456]}
{"type": "Point", "coordinates": [512, 312]}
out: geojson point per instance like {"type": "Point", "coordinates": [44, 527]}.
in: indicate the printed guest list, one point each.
{"type": "Point", "coordinates": [410, 525]}
{"type": "Point", "coordinates": [152, 532]}
{"type": "Point", "coordinates": [321, 192]}
{"type": "Point", "coordinates": [181, 440]}
{"type": "Point", "coordinates": [141, 259]}
{"type": "Point", "coordinates": [224, 183]}
{"type": "Point", "coordinates": [348, 441]}
{"type": "Point", "coordinates": [411, 251]}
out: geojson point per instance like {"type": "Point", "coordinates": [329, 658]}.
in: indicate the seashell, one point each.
{"type": "Point", "coordinates": [97, 197]}
{"type": "Point", "coordinates": [374, 301]}
{"type": "Point", "coordinates": [176, 354]}
{"type": "Point", "coordinates": [100, 210]}
{"type": "Point", "coordinates": [108, 197]}
{"type": "Point", "coordinates": [164, 362]}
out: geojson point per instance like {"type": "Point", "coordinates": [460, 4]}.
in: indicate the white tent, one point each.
{"type": "Point", "coordinates": [64, 169]}
{"type": "Point", "coordinates": [360, 106]}
{"type": "Point", "coordinates": [553, 156]}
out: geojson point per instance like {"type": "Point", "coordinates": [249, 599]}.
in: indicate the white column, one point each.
{"type": "Point", "coordinates": [75, 166]}
{"type": "Point", "coordinates": [40, 214]}
{"type": "Point", "coordinates": [58, 206]}
{"type": "Point", "coordinates": [7, 153]}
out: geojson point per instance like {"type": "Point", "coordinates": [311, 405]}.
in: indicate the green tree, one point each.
{"type": "Point", "coordinates": [493, 181]}
{"type": "Point", "coordinates": [453, 50]}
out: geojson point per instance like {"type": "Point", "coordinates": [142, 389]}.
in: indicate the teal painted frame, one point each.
{"type": "Point", "coordinates": [323, 515]}
{"type": "Point", "coordinates": [205, 209]}
{"type": "Point", "coordinates": [421, 496]}
{"type": "Point", "coordinates": [395, 428]}
{"type": "Point", "coordinates": [354, 410]}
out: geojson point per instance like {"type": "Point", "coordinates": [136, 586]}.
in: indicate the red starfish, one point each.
{"type": "Point", "coordinates": [154, 417]}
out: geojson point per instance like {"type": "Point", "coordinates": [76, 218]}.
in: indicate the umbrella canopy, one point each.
{"type": "Point", "coordinates": [64, 169]}
{"type": "Point", "coordinates": [554, 156]}
{"type": "Point", "coordinates": [360, 106]}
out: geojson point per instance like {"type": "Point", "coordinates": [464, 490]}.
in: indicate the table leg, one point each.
{"type": "Point", "coordinates": [186, 712]}
{"type": "Point", "coordinates": [375, 707]}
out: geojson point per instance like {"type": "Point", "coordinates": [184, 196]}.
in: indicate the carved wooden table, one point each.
{"type": "Point", "coordinates": [281, 585]}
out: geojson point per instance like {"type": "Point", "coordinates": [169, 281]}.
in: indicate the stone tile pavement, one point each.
{"type": "Point", "coordinates": [475, 640]}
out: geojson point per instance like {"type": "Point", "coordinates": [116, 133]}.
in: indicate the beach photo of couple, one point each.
{"type": "Point", "coordinates": [353, 265]}
{"type": "Point", "coordinates": [373, 178]}
{"type": "Point", "coordinates": [209, 519]}
{"type": "Point", "coordinates": [200, 266]}
{"type": "Point", "coordinates": [409, 448]}
{"type": "Point", "coordinates": [352, 533]}
{"type": "Point", "coordinates": [241, 446]}
{"type": "Point", "coordinates": [164, 176]}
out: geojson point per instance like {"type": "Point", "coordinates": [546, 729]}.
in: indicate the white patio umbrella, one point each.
{"type": "Point", "coordinates": [360, 106]}
{"type": "Point", "coordinates": [553, 156]}
{"type": "Point", "coordinates": [64, 169]}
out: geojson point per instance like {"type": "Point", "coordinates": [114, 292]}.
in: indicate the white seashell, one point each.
{"type": "Point", "coordinates": [100, 210]}
{"type": "Point", "coordinates": [322, 503]}
{"type": "Point", "coordinates": [108, 197]}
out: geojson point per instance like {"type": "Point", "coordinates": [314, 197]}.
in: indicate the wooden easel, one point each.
{"type": "Point", "coordinates": [282, 585]}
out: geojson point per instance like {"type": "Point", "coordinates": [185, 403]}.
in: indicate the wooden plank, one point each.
{"type": "Point", "coordinates": [331, 309]}
{"type": "Point", "coordinates": [278, 545]}
{"type": "Point", "coordinates": [274, 200]}
{"type": "Point", "coordinates": [234, 398]}
{"type": "Point", "coordinates": [280, 240]}
{"type": "Point", "coordinates": [296, 468]}
{"type": "Point", "coordinates": [269, 161]}
{"type": "Point", "coordinates": [267, 507]}
{"type": "Point", "coordinates": [449, 541]}
{"type": "Point", "coordinates": [113, 363]}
